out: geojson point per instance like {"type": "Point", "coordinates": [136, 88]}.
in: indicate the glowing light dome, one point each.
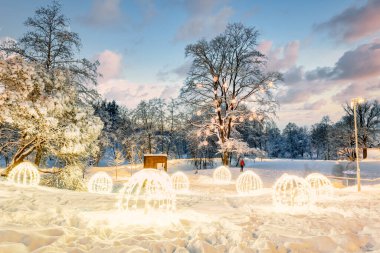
{"type": "Point", "coordinates": [147, 189]}
{"type": "Point", "coordinates": [222, 175]}
{"type": "Point", "coordinates": [320, 184]}
{"type": "Point", "coordinates": [25, 173]}
{"type": "Point", "coordinates": [292, 191]}
{"type": "Point", "coordinates": [180, 182]}
{"type": "Point", "coordinates": [248, 182]}
{"type": "Point", "coordinates": [100, 182]}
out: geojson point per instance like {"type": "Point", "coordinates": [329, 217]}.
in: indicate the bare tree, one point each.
{"type": "Point", "coordinates": [368, 115]}
{"type": "Point", "coordinates": [227, 72]}
{"type": "Point", "coordinates": [50, 43]}
{"type": "Point", "coordinates": [148, 122]}
{"type": "Point", "coordinates": [117, 160]}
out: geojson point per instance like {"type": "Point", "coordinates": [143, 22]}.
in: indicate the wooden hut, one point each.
{"type": "Point", "coordinates": [156, 161]}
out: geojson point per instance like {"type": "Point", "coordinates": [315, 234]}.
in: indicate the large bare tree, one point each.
{"type": "Point", "coordinates": [227, 76]}
{"type": "Point", "coordinates": [50, 43]}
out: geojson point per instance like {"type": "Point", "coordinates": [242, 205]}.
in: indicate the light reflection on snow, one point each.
{"type": "Point", "coordinates": [158, 218]}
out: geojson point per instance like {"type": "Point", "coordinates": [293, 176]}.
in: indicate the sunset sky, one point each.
{"type": "Point", "coordinates": [328, 51]}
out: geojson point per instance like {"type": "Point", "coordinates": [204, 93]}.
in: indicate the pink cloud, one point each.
{"type": "Point", "coordinates": [356, 73]}
{"type": "Point", "coordinates": [280, 58]}
{"type": "Point", "coordinates": [130, 94]}
{"type": "Point", "coordinates": [317, 105]}
{"type": "Point", "coordinates": [360, 63]}
{"type": "Point", "coordinates": [265, 46]}
{"type": "Point", "coordinates": [366, 90]}
{"type": "Point", "coordinates": [110, 64]}
{"type": "Point", "coordinates": [354, 23]}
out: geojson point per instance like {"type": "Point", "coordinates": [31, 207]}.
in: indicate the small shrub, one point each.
{"type": "Point", "coordinates": [69, 178]}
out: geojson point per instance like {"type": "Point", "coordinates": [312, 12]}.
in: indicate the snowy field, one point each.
{"type": "Point", "coordinates": [210, 218]}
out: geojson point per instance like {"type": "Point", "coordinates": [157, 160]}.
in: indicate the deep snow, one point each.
{"type": "Point", "coordinates": [210, 218]}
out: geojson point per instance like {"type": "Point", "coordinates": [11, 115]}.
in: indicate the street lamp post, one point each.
{"type": "Point", "coordinates": [354, 104]}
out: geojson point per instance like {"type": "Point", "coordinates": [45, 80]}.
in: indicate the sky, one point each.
{"type": "Point", "coordinates": [328, 51]}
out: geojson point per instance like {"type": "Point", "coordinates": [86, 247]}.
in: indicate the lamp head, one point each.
{"type": "Point", "coordinates": [356, 101]}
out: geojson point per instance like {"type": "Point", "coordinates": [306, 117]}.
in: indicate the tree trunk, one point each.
{"type": "Point", "coordinates": [225, 158]}
{"type": "Point", "coordinates": [38, 157]}
{"type": "Point", "coordinates": [20, 155]}
{"type": "Point", "coordinates": [6, 160]}
{"type": "Point", "coordinates": [149, 144]}
{"type": "Point", "coordinates": [365, 153]}
{"type": "Point", "coordinates": [237, 161]}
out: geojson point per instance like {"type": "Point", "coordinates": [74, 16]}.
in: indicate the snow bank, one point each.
{"type": "Point", "coordinates": [210, 218]}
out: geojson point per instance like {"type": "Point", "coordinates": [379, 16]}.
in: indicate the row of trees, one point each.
{"type": "Point", "coordinates": [156, 127]}
{"type": "Point", "coordinates": [327, 140]}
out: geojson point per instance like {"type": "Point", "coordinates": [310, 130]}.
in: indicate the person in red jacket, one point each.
{"type": "Point", "coordinates": [242, 164]}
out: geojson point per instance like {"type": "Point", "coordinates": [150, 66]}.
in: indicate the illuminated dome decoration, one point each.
{"type": "Point", "coordinates": [320, 184]}
{"type": "Point", "coordinates": [100, 182]}
{"type": "Point", "coordinates": [25, 173]}
{"type": "Point", "coordinates": [222, 175]}
{"type": "Point", "coordinates": [180, 182]}
{"type": "Point", "coordinates": [248, 182]}
{"type": "Point", "coordinates": [292, 191]}
{"type": "Point", "coordinates": [147, 189]}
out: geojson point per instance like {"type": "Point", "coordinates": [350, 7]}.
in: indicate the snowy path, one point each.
{"type": "Point", "coordinates": [212, 218]}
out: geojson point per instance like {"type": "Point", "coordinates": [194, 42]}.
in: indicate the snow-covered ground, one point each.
{"type": "Point", "coordinates": [210, 218]}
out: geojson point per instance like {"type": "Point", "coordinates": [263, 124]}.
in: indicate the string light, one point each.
{"type": "Point", "coordinates": [180, 182]}
{"type": "Point", "coordinates": [148, 189]}
{"type": "Point", "coordinates": [100, 182]}
{"type": "Point", "coordinates": [292, 191]}
{"type": "Point", "coordinates": [320, 185]}
{"type": "Point", "coordinates": [222, 175]}
{"type": "Point", "coordinates": [248, 182]}
{"type": "Point", "coordinates": [25, 173]}
{"type": "Point", "coordinates": [199, 113]}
